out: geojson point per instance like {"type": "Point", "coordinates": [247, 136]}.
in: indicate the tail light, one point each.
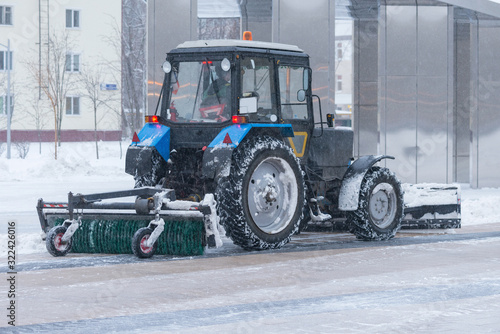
{"type": "Point", "coordinates": [239, 119]}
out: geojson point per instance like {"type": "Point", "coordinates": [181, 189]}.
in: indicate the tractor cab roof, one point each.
{"type": "Point", "coordinates": [233, 45]}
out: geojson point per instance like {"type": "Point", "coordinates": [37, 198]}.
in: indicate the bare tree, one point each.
{"type": "Point", "coordinates": [22, 147]}
{"type": "Point", "coordinates": [39, 114]}
{"type": "Point", "coordinates": [134, 65]}
{"type": "Point", "coordinates": [219, 28]}
{"type": "Point", "coordinates": [91, 79]}
{"type": "Point", "coordinates": [54, 80]}
{"type": "Point", "coordinates": [130, 44]}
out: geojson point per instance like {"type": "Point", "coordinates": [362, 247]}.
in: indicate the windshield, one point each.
{"type": "Point", "coordinates": [200, 91]}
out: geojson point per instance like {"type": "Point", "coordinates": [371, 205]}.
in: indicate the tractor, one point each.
{"type": "Point", "coordinates": [235, 142]}
{"type": "Point", "coordinates": [235, 118]}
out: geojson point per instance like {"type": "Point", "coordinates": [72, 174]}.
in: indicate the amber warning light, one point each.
{"type": "Point", "coordinates": [247, 35]}
{"type": "Point", "coordinates": [152, 119]}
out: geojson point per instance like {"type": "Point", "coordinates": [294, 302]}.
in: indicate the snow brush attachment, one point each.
{"type": "Point", "coordinates": [154, 224]}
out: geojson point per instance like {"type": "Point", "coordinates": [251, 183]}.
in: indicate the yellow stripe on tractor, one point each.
{"type": "Point", "coordinates": [298, 143]}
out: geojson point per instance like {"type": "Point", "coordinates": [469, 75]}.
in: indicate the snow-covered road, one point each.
{"type": "Point", "coordinates": [423, 281]}
{"type": "Point", "coordinates": [431, 286]}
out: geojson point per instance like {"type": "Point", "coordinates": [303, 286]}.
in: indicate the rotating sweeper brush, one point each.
{"type": "Point", "coordinates": [154, 223]}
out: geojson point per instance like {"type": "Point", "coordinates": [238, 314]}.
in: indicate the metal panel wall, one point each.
{"type": "Point", "coordinates": [462, 102]}
{"type": "Point", "coordinates": [415, 96]}
{"type": "Point", "coordinates": [311, 26]}
{"type": "Point", "coordinates": [365, 97]}
{"type": "Point", "coordinates": [165, 32]}
{"type": "Point", "coordinates": [487, 133]}
{"type": "Point", "coordinates": [399, 90]}
{"type": "Point", "coordinates": [433, 94]}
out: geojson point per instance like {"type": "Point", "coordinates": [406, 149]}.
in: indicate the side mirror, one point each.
{"type": "Point", "coordinates": [301, 95]}
{"type": "Point", "coordinates": [248, 105]}
{"type": "Point", "coordinates": [305, 78]}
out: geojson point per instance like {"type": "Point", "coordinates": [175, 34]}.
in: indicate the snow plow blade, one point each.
{"type": "Point", "coordinates": [429, 205]}
{"type": "Point", "coordinates": [95, 225]}
{"type": "Point", "coordinates": [426, 206]}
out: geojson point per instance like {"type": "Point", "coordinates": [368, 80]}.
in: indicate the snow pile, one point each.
{"type": "Point", "coordinates": [74, 160]}
{"type": "Point", "coordinates": [480, 206]}
{"type": "Point", "coordinates": [421, 194]}
{"type": "Point", "coordinates": [28, 243]}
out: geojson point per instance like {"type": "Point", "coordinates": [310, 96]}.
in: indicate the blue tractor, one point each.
{"type": "Point", "coordinates": [236, 119]}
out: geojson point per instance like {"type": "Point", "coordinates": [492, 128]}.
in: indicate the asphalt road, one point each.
{"type": "Point", "coordinates": [427, 281]}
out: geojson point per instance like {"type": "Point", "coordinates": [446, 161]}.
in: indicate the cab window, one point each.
{"type": "Point", "coordinates": [256, 81]}
{"type": "Point", "coordinates": [291, 82]}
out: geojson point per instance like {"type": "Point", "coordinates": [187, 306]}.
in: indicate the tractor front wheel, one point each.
{"type": "Point", "coordinates": [380, 208]}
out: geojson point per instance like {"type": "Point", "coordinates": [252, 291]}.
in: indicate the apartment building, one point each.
{"type": "Point", "coordinates": [63, 58]}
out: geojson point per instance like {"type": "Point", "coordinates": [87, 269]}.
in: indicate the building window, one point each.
{"type": "Point", "coordinates": [3, 105]}
{"type": "Point", "coordinates": [339, 83]}
{"type": "Point", "coordinates": [3, 61]}
{"type": "Point", "coordinates": [72, 105]}
{"type": "Point", "coordinates": [5, 15]}
{"type": "Point", "coordinates": [72, 62]}
{"type": "Point", "coordinates": [72, 18]}
{"type": "Point", "coordinates": [340, 52]}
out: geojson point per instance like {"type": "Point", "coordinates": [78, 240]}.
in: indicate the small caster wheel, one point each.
{"type": "Point", "coordinates": [54, 243]}
{"type": "Point", "coordinates": [139, 243]}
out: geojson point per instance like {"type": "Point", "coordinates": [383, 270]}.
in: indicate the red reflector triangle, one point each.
{"type": "Point", "coordinates": [135, 139]}
{"type": "Point", "coordinates": [227, 139]}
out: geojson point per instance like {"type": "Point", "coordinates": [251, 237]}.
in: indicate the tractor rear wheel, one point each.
{"type": "Point", "coordinates": [261, 202]}
{"type": "Point", "coordinates": [380, 209]}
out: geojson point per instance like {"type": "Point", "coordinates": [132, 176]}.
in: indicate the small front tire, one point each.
{"type": "Point", "coordinates": [139, 247]}
{"type": "Point", "coordinates": [380, 209]}
{"type": "Point", "coordinates": [55, 245]}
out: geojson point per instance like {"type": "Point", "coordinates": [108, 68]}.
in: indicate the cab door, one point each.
{"type": "Point", "coordinates": [294, 106]}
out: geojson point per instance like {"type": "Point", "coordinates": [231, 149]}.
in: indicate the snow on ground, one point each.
{"type": "Point", "coordinates": [77, 169]}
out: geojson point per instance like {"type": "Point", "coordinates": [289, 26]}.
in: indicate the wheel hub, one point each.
{"type": "Point", "coordinates": [266, 192]}
{"type": "Point", "coordinates": [144, 248]}
{"type": "Point", "coordinates": [382, 205]}
{"type": "Point", "coordinates": [270, 195]}
{"type": "Point", "coordinates": [378, 205]}
{"type": "Point", "coordinates": [58, 243]}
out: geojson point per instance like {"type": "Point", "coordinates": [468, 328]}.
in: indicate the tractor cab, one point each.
{"type": "Point", "coordinates": [210, 85]}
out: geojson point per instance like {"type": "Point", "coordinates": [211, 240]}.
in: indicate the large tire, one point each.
{"type": "Point", "coordinates": [139, 247]}
{"type": "Point", "coordinates": [261, 202]}
{"type": "Point", "coordinates": [54, 244]}
{"type": "Point", "coordinates": [380, 209]}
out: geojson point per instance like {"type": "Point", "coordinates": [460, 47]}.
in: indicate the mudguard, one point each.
{"type": "Point", "coordinates": [351, 183]}
{"type": "Point", "coordinates": [153, 136]}
{"type": "Point", "coordinates": [217, 156]}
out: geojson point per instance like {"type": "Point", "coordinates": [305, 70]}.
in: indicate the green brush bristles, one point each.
{"type": "Point", "coordinates": [115, 237]}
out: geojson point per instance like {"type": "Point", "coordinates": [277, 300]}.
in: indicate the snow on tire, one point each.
{"type": "Point", "coordinates": [261, 202]}
{"type": "Point", "coordinates": [380, 209]}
